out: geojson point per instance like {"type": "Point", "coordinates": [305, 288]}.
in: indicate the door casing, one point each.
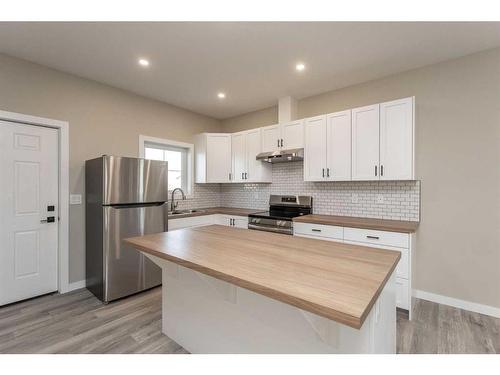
{"type": "Point", "coordinates": [62, 127]}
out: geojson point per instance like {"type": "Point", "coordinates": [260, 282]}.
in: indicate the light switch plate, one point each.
{"type": "Point", "coordinates": [354, 198]}
{"type": "Point", "coordinates": [75, 199]}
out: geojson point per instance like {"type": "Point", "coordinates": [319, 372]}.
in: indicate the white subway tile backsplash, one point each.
{"type": "Point", "coordinates": [401, 199]}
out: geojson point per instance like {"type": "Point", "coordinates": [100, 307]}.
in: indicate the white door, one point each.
{"type": "Point", "coordinates": [238, 151]}
{"type": "Point", "coordinates": [218, 158]}
{"type": "Point", "coordinates": [29, 195]}
{"type": "Point", "coordinates": [315, 149]}
{"type": "Point", "coordinates": [396, 140]}
{"type": "Point", "coordinates": [292, 134]}
{"type": "Point", "coordinates": [271, 138]}
{"type": "Point", "coordinates": [258, 171]}
{"type": "Point", "coordinates": [365, 143]}
{"type": "Point", "coordinates": [339, 146]}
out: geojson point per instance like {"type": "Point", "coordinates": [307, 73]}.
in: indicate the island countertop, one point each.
{"type": "Point", "coordinates": [337, 281]}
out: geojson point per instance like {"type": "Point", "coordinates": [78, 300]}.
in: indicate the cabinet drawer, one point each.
{"type": "Point", "coordinates": [377, 237]}
{"type": "Point", "coordinates": [318, 230]}
{"type": "Point", "coordinates": [402, 293]}
{"type": "Point", "coordinates": [188, 222]}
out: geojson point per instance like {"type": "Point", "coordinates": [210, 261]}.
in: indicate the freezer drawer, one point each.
{"type": "Point", "coordinates": [126, 270]}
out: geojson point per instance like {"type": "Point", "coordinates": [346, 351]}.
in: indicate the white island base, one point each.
{"type": "Point", "coordinates": [207, 315]}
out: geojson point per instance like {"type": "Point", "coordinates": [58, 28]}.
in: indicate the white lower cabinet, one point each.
{"type": "Point", "coordinates": [327, 232]}
{"type": "Point", "coordinates": [374, 238]}
{"type": "Point", "coordinates": [198, 221]}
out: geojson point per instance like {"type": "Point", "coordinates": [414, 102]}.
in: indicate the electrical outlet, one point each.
{"type": "Point", "coordinates": [354, 198]}
{"type": "Point", "coordinates": [380, 198]}
{"type": "Point", "coordinates": [75, 199]}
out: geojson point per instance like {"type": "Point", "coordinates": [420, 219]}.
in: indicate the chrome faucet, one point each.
{"type": "Point", "coordinates": [173, 205]}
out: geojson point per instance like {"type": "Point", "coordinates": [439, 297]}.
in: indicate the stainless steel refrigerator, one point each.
{"type": "Point", "coordinates": [125, 197]}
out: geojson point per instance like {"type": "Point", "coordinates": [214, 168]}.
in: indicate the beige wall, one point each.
{"type": "Point", "coordinates": [457, 160]}
{"type": "Point", "coordinates": [267, 116]}
{"type": "Point", "coordinates": [102, 120]}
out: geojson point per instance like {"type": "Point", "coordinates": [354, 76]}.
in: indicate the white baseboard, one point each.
{"type": "Point", "coordinates": [459, 303]}
{"type": "Point", "coordinates": [76, 285]}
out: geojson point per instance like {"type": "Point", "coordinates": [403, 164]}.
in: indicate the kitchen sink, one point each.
{"type": "Point", "coordinates": [184, 212]}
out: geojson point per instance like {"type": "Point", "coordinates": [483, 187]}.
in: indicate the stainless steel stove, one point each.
{"type": "Point", "coordinates": [282, 209]}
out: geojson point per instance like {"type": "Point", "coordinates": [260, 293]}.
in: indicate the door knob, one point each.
{"type": "Point", "coordinates": [49, 219]}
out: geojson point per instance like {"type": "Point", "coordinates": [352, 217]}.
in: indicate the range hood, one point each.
{"type": "Point", "coordinates": [282, 156]}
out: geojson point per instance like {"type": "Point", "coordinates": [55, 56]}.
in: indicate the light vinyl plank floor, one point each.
{"type": "Point", "coordinates": [78, 322]}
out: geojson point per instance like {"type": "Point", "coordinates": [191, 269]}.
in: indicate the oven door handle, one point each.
{"type": "Point", "coordinates": [270, 229]}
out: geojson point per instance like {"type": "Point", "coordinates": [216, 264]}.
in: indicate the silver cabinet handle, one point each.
{"type": "Point", "coordinates": [373, 237]}
{"type": "Point", "coordinates": [278, 143]}
{"type": "Point", "coordinates": [242, 176]}
{"type": "Point", "coordinates": [327, 172]}
{"type": "Point", "coordinates": [375, 170]}
{"type": "Point", "coordinates": [281, 142]}
{"type": "Point", "coordinates": [246, 176]}
{"type": "Point", "coordinates": [316, 230]}
{"type": "Point", "coordinates": [229, 176]}
{"type": "Point", "coordinates": [323, 171]}
{"type": "Point", "coordinates": [381, 170]}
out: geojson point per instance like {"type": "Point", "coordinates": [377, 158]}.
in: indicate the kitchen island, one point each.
{"type": "Point", "coordinates": [230, 290]}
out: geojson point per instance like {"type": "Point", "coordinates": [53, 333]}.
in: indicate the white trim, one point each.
{"type": "Point", "coordinates": [77, 285]}
{"type": "Point", "coordinates": [190, 161]}
{"type": "Point", "coordinates": [458, 303]}
{"type": "Point", "coordinates": [63, 130]}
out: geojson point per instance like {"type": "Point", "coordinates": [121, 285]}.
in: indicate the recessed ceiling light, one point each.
{"type": "Point", "coordinates": [221, 95]}
{"type": "Point", "coordinates": [300, 67]}
{"type": "Point", "coordinates": [143, 62]}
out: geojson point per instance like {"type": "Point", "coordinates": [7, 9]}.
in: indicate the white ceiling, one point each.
{"type": "Point", "coordinates": [253, 63]}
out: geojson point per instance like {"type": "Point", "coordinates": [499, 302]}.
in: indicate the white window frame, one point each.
{"type": "Point", "coordinates": [143, 139]}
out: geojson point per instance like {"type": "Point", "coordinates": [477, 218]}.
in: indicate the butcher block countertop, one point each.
{"type": "Point", "coordinates": [360, 222]}
{"type": "Point", "coordinates": [218, 210]}
{"type": "Point", "coordinates": [338, 281]}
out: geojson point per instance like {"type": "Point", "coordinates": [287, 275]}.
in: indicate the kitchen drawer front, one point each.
{"type": "Point", "coordinates": [188, 222]}
{"type": "Point", "coordinates": [318, 230]}
{"type": "Point", "coordinates": [377, 237]}
{"type": "Point", "coordinates": [402, 294]}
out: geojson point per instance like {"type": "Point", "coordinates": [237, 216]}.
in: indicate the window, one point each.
{"type": "Point", "coordinates": [179, 158]}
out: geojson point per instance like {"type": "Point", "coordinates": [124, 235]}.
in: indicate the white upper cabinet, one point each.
{"type": "Point", "coordinates": [338, 135]}
{"type": "Point", "coordinates": [396, 140]}
{"type": "Point", "coordinates": [292, 135]}
{"type": "Point", "coordinates": [271, 138]}
{"type": "Point", "coordinates": [283, 136]}
{"type": "Point", "coordinates": [213, 158]}
{"type": "Point", "coordinates": [239, 156]}
{"type": "Point", "coordinates": [315, 149]}
{"type": "Point", "coordinates": [257, 171]}
{"type": "Point", "coordinates": [365, 143]}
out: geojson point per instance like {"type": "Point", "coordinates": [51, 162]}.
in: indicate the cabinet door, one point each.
{"type": "Point", "coordinates": [292, 134]}
{"type": "Point", "coordinates": [238, 151]}
{"type": "Point", "coordinates": [315, 149]}
{"type": "Point", "coordinates": [257, 171]}
{"type": "Point", "coordinates": [240, 222]}
{"type": "Point", "coordinates": [271, 136]}
{"type": "Point", "coordinates": [339, 146]}
{"type": "Point", "coordinates": [396, 140]}
{"type": "Point", "coordinates": [365, 143]}
{"type": "Point", "coordinates": [218, 158]}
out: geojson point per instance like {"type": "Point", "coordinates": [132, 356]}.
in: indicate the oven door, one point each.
{"type": "Point", "coordinates": [270, 225]}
